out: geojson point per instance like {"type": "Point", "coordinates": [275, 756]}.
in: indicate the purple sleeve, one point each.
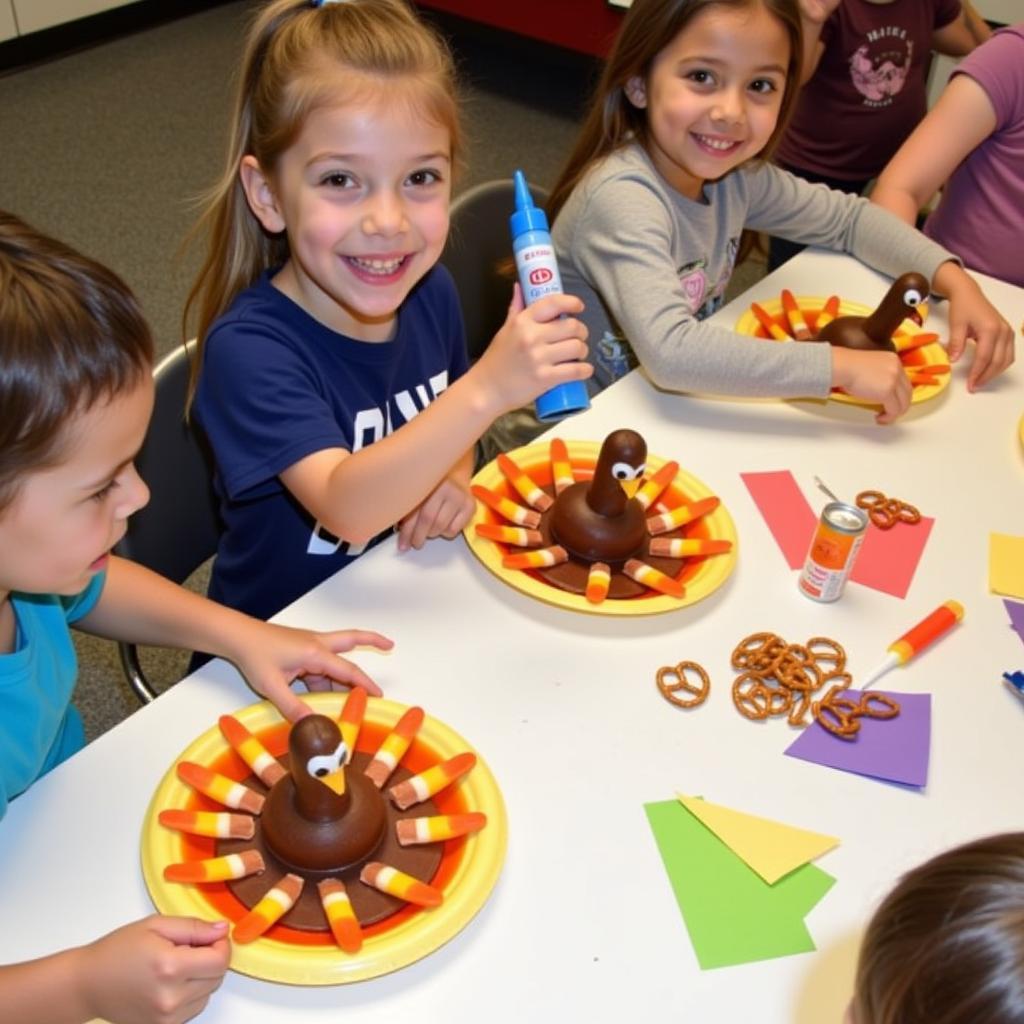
{"type": "Point", "coordinates": [998, 67]}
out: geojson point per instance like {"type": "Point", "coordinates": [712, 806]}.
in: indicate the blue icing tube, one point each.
{"type": "Point", "coordinates": [538, 276]}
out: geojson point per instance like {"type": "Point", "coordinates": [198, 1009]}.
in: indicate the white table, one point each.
{"type": "Point", "coordinates": [547, 694]}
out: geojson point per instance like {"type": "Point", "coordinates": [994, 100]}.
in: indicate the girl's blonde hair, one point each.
{"type": "Point", "coordinates": [946, 946]}
{"type": "Point", "coordinates": [649, 26]}
{"type": "Point", "coordinates": [293, 54]}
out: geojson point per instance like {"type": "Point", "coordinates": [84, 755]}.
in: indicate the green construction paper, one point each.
{"type": "Point", "coordinates": [733, 915]}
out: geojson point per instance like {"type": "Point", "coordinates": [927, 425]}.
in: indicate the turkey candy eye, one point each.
{"type": "Point", "coordinates": [624, 471]}
{"type": "Point", "coordinates": [912, 297]}
{"type": "Point", "coordinates": [324, 764]}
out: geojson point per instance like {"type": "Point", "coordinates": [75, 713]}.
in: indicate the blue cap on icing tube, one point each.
{"type": "Point", "coordinates": [526, 217]}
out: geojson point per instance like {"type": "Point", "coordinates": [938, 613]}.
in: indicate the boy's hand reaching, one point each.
{"type": "Point", "coordinates": [443, 514]}
{"type": "Point", "coordinates": [537, 347]}
{"type": "Point", "coordinates": [272, 657]}
{"type": "Point", "coordinates": [161, 969]}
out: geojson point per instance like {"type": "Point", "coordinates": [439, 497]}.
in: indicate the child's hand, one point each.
{"type": "Point", "coordinates": [272, 657]}
{"type": "Point", "coordinates": [971, 315]}
{"type": "Point", "coordinates": [160, 969]}
{"type": "Point", "coordinates": [537, 347]}
{"type": "Point", "coordinates": [444, 513]}
{"type": "Point", "coordinates": [875, 377]}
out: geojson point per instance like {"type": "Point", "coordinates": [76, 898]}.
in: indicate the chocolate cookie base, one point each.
{"type": "Point", "coordinates": [370, 905]}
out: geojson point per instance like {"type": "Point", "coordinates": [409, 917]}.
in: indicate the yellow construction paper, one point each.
{"type": "Point", "coordinates": [1006, 564]}
{"type": "Point", "coordinates": [770, 848]}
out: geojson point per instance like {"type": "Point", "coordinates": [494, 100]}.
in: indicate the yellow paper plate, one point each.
{"type": "Point", "coordinates": [418, 934]}
{"type": "Point", "coordinates": [711, 573]}
{"type": "Point", "coordinates": [933, 354]}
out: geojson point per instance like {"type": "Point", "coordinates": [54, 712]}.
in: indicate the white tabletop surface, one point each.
{"type": "Point", "coordinates": [582, 924]}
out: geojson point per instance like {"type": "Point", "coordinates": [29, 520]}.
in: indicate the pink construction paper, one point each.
{"type": "Point", "coordinates": [887, 560]}
{"type": "Point", "coordinates": [785, 511]}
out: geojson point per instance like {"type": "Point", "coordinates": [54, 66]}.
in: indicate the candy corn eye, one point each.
{"type": "Point", "coordinates": [624, 471]}
{"type": "Point", "coordinates": [912, 297]}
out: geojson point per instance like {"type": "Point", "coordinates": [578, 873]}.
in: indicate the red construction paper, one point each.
{"type": "Point", "coordinates": [786, 512]}
{"type": "Point", "coordinates": [888, 559]}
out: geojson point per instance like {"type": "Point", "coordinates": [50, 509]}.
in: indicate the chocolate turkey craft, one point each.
{"type": "Point", "coordinates": [322, 818]}
{"type": "Point", "coordinates": [899, 303]}
{"type": "Point", "coordinates": [595, 536]}
{"type": "Point", "coordinates": [877, 330]}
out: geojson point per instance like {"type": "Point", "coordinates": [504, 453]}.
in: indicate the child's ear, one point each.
{"type": "Point", "coordinates": [636, 92]}
{"type": "Point", "coordinates": [260, 195]}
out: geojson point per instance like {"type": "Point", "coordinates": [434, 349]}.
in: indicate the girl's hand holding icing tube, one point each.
{"type": "Point", "coordinates": [874, 376]}
{"type": "Point", "coordinates": [538, 346]}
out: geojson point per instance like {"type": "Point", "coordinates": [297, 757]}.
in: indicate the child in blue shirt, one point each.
{"type": "Point", "coordinates": [76, 393]}
{"type": "Point", "coordinates": [333, 383]}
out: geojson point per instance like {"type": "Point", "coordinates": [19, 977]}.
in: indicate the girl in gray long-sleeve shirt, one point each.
{"type": "Point", "coordinates": [667, 173]}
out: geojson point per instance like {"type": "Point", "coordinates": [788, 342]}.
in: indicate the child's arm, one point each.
{"type": "Point", "coordinates": [813, 15]}
{"type": "Point", "coordinates": [961, 119]}
{"type": "Point", "coordinates": [445, 511]}
{"type": "Point", "coordinates": [959, 37]}
{"type": "Point", "coordinates": [355, 495]}
{"type": "Point", "coordinates": [160, 969]}
{"type": "Point", "coordinates": [976, 24]}
{"type": "Point", "coordinates": [139, 606]}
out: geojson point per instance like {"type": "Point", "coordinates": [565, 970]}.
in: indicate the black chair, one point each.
{"type": "Point", "coordinates": [178, 530]}
{"type": "Point", "coordinates": [478, 245]}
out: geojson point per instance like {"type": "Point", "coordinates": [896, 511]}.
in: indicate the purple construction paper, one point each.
{"type": "Point", "coordinates": [1016, 612]}
{"type": "Point", "coordinates": [894, 749]}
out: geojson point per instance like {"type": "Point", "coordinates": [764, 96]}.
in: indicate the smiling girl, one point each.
{"type": "Point", "coordinates": [667, 173]}
{"type": "Point", "coordinates": [333, 383]}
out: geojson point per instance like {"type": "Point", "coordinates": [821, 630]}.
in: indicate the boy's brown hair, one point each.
{"type": "Point", "coordinates": [71, 335]}
{"type": "Point", "coordinates": [946, 946]}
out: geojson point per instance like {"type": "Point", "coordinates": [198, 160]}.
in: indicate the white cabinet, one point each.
{"type": "Point", "coordinates": [33, 15]}
{"type": "Point", "coordinates": [8, 26]}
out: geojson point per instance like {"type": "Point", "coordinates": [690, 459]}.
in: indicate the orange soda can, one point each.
{"type": "Point", "coordinates": [833, 551]}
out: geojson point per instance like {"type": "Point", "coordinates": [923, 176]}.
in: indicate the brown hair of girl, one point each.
{"type": "Point", "coordinates": [71, 335]}
{"type": "Point", "coordinates": [649, 26]}
{"type": "Point", "coordinates": [946, 946]}
{"type": "Point", "coordinates": [299, 58]}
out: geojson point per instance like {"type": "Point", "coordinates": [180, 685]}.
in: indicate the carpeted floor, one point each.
{"type": "Point", "coordinates": [108, 148]}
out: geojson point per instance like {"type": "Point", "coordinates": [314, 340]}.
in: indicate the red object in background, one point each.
{"type": "Point", "coordinates": [588, 26]}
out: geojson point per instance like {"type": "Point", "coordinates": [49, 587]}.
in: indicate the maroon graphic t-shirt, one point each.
{"type": "Point", "coordinates": [868, 91]}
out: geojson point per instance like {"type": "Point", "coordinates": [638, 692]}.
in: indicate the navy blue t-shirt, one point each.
{"type": "Point", "coordinates": [277, 385]}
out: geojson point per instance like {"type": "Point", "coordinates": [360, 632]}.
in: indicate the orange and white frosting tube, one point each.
{"type": "Point", "coordinates": [653, 578]}
{"type": "Point", "coordinates": [506, 508]}
{"type": "Point", "coordinates": [216, 869]}
{"type": "Point", "coordinates": [398, 883]}
{"type": "Point", "coordinates": [395, 744]}
{"type": "Point", "coordinates": [340, 915]}
{"type": "Point", "coordinates": [681, 515]}
{"type": "Point", "coordinates": [927, 631]}
{"type": "Point", "coordinates": [418, 788]}
{"type": "Point", "coordinates": [220, 788]}
{"type": "Point", "coordinates": [215, 824]}
{"type": "Point", "coordinates": [531, 492]}
{"type": "Point", "coordinates": [415, 831]}
{"type": "Point", "coordinates": [264, 765]}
